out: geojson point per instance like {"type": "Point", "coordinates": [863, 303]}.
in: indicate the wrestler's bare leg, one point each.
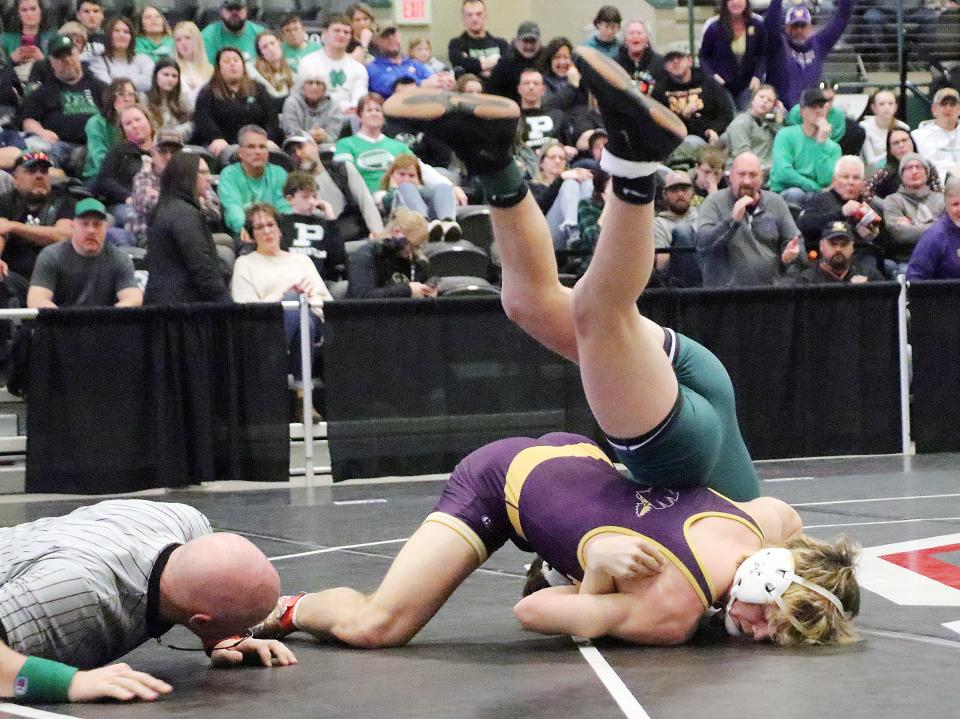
{"type": "Point", "coordinates": [431, 565]}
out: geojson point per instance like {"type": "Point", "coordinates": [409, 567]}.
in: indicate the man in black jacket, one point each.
{"type": "Point", "coordinates": [698, 99]}
{"type": "Point", "coordinates": [475, 50]}
{"type": "Point", "coordinates": [638, 58]}
{"type": "Point", "coordinates": [525, 51]}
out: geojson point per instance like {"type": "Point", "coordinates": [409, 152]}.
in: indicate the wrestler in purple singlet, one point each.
{"type": "Point", "coordinates": [568, 490]}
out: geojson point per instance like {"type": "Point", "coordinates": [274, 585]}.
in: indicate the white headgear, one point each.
{"type": "Point", "coordinates": [763, 577]}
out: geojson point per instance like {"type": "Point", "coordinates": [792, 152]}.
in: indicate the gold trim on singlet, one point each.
{"type": "Point", "coordinates": [693, 519]}
{"type": "Point", "coordinates": [461, 528]}
{"type": "Point", "coordinates": [666, 553]}
{"type": "Point", "coordinates": [529, 459]}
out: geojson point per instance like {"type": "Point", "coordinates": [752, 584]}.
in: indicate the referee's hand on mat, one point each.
{"type": "Point", "coordinates": [116, 681]}
{"type": "Point", "coordinates": [270, 652]}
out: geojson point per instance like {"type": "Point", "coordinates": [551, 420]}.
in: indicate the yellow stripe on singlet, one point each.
{"type": "Point", "coordinates": [663, 550]}
{"type": "Point", "coordinates": [529, 459]}
{"type": "Point", "coordinates": [461, 528]}
{"type": "Point", "coordinates": [723, 515]}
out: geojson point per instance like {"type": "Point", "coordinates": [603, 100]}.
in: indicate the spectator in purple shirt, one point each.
{"type": "Point", "coordinates": [937, 254]}
{"type": "Point", "coordinates": [796, 54]}
{"type": "Point", "coordinates": [733, 50]}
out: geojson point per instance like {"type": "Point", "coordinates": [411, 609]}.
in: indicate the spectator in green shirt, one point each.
{"type": "Point", "coordinates": [154, 37]}
{"type": "Point", "coordinates": [295, 43]}
{"type": "Point", "coordinates": [253, 179]}
{"type": "Point", "coordinates": [233, 30]}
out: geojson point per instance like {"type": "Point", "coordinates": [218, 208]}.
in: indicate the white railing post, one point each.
{"type": "Point", "coordinates": [306, 367]}
{"type": "Point", "coordinates": [904, 366]}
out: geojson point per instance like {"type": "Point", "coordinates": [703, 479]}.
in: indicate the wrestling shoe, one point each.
{"type": "Point", "coordinates": [480, 129]}
{"type": "Point", "coordinates": [640, 129]}
{"type": "Point", "coordinates": [279, 623]}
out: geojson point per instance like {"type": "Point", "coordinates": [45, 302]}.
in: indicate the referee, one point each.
{"type": "Point", "coordinates": [80, 591]}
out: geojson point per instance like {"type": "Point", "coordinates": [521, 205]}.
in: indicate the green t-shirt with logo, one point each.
{"type": "Point", "coordinates": [371, 158]}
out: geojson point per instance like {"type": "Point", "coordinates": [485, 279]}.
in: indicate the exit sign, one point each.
{"type": "Point", "coordinates": [412, 12]}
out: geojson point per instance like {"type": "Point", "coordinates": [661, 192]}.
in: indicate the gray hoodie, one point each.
{"type": "Point", "coordinates": [297, 117]}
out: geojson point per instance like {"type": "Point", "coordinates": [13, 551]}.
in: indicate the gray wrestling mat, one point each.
{"type": "Point", "coordinates": [473, 660]}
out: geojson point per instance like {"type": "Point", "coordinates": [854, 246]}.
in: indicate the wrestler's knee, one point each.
{"type": "Point", "coordinates": [378, 629]}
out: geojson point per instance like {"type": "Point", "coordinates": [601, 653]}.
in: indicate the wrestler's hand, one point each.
{"type": "Point", "coordinates": [117, 681]}
{"type": "Point", "coordinates": [270, 651]}
{"type": "Point", "coordinates": [624, 557]}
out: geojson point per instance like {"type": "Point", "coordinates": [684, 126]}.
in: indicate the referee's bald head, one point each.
{"type": "Point", "coordinates": [218, 586]}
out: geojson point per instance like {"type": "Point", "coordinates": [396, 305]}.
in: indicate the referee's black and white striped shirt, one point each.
{"type": "Point", "coordinates": [74, 588]}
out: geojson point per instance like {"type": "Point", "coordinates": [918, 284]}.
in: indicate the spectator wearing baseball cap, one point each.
{"type": "Point", "coordinates": [675, 226]}
{"type": "Point", "coordinates": [835, 259]}
{"type": "Point", "coordinates": [845, 131]}
{"type": "Point", "coordinates": [232, 30]}
{"type": "Point", "coordinates": [796, 55]}
{"type": "Point", "coordinates": [84, 271]}
{"type": "Point", "coordinates": [804, 155]}
{"type": "Point", "coordinates": [910, 211]}
{"type": "Point", "coordinates": [524, 52]}
{"type": "Point", "coordinates": [56, 112]}
{"type": "Point", "coordinates": [939, 140]}
{"type": "Point", "coordinates": [391, 65]}
{"type": "Point", "coordinates": [35, 214]}
{"type": "Point", "coordinates": [146, 183]}
{"type": "Point", "coordinates": [696, 98]}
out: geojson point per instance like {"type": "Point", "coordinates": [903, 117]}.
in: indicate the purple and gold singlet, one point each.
{"type": "Point", "coordinates": [551, 495]}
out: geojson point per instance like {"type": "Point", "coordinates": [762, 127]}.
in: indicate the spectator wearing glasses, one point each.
{"type": "Point", "coordinates": [272, 274]}
{"type": "Point", "coordinates": [295, 44]}
{"type": "Point", "coordinates": [886, 180]}
{"type": "Point", "coordinates": [103, 129]}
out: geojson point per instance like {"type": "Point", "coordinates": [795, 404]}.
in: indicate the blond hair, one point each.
{"type": "Point", "coordinates": [200, 66]}
{"type": "Point", "coordinates": [831, 566]}
{"type": "Point", "coordinates": [411, 225]}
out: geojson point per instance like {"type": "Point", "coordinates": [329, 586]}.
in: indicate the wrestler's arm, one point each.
{"type": "Point", "coordinates": [116, 681]}
{"type": "Point", "coordinates": [663, 614]}
{"type": "Point", "coordinates": [778, 520]}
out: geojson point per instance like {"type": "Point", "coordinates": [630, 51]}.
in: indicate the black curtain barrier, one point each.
{"type": "Point", "coordinates": [815, 369]}
{"type": "Point", "coordinates": [121, 400]}
{"type": "Point", "coordinates": [935, 338]}
{"type": "Point", "coordinates": [414, 386]}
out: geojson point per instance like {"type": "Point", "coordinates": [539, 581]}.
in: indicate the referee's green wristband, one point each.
{"type": "Point", "coordinates": [43, 681]}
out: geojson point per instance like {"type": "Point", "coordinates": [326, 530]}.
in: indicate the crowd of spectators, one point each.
{"type": "Point", "coordinates": [254, 162]}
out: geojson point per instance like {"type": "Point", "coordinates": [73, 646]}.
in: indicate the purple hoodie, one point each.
{"type": "Point", "coordinates": [790, 69]}
{"type": "Point", "coordinates": [937, 253]}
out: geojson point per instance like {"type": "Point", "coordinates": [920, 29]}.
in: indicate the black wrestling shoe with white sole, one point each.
{"type": "Point", "coordinates": [480, 129]}
{"type": "Point", "coordinates": [639, 128]}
